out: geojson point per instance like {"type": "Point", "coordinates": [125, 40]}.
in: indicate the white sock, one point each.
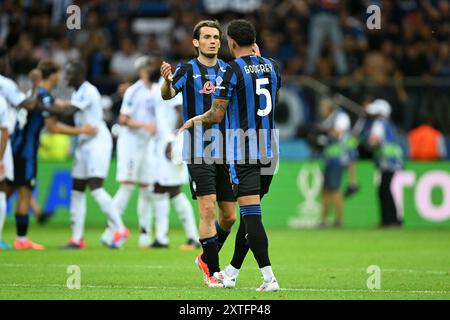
{"type": "Point", "coordinates": [122, 197]}
{"type": "Point", "coordinates": [145, 211]}
{"type": "Point", "coordinates": [162, 217]}
{"type": "Point", "coordinates": [106, 204]}
{"type": "Point", "coordinates": [186, 214]}
{"type": "Point", "coordinates": [2, 212]}
{"type": "Point", "coordinates": [267, 273]}
{"type": "Point", "coordinates": [77, 214]}
{"type": "Point", "coordinates": [231, 271]}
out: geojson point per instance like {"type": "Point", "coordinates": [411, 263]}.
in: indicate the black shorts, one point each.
{"type": "Point", "coordinates": [25, 171]}
{"type": "Point", "coordinates": [251, 179]}
{"type": "Point", "coordinates": [207, 179]}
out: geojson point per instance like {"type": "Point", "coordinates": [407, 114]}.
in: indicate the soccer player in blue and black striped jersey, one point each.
{"type": "Point", "coordinates": [247, 93]}
{"type": "Point", "coordinates": [203, 150]}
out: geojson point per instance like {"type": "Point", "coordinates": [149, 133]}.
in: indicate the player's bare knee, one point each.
{"type": "Point", "coordinates": [207, 209]}
{"type": "Point", "coordinates": [227, 218]}
{"type": "Point", "coordinates": [227, 211]}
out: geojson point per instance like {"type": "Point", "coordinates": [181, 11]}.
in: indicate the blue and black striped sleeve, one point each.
{"type": "Point", "coordinates": [48, 101]}
{"type": "Point", "coordinates": [277, 72]}
{"type": "Point", "coordinates": [179, 77]}
{"type": "Point", "coordinates": [225, 83]}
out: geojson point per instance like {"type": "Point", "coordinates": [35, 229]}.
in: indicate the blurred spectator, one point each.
{"type": "Point", "coordinates": [441, 65]}
{"type": "Point", "coordinates": [97, 55]}
{"type": "Point", "coordinates": [375, 79]}
{"type": "Point", "coordinates": [63, 52]}
{"type": "Point", "coordinates": [414, 63]}
{"type": "Point", "coordinates": [325, 26]}
{"type": "Point", "coordinates": [122, 62]}
{"type": "Point", "coordinates": [22, 58]}
{"type": "Point", "coordinates": [406, 62]}
{"type": "Point", "coordinates": [93, 25]}
{"type": "Point", "coordinates": [426, 143]}
{"type": "Point", "coordinates": [119, 30]}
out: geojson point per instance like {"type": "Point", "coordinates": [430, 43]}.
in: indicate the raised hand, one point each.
{"type": "Point", "coordinates": [166, 71]}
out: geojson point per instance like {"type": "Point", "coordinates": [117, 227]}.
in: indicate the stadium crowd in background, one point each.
{"type": "Point", "coordinates": [410, 51]}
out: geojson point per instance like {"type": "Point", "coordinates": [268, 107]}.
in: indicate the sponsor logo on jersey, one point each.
{"type": "Point", "coordinates": [208, 88]}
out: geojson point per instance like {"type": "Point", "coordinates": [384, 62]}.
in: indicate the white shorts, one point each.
{"type": "Point", "coordinates": [171, 172]}
{"type": "Point", "coordinates": [9, 163]}
{"type": "Point", "coordinates": [93, 156]}
{"type": "Point", "coordinates": [135, 159]}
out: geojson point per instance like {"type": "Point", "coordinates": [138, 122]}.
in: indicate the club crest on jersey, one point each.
{"type": "Point", "coordinates": [208, 88]}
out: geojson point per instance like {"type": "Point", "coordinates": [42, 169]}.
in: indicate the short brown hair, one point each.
{"type": "Point", "coordinates": [48, 67]}
{"type": "Point", "coordinates": [206, 23]}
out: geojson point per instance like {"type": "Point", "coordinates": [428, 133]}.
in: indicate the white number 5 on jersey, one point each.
{"type": "Point", "coordinates": [266, 93]}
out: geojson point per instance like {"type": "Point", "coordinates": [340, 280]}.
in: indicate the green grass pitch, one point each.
{"type": "Point", "coordinates": [314, 264]}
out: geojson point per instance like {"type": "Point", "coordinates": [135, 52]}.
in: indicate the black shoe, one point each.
{"type": "Point", "coordinates": [191, 244]}
{"type": "Point", "coordinates": [337, 225]}
{"type": "Point", "coordinates": [44, 217]}
{"type": "Point", "coordinates": [351, 189]}
{"type": "Point", "coordinates": [392, 225]}
{"type": "Point", "coordinates": [323, 225]}
{"type": "Point", "coordinates": [158, 245]}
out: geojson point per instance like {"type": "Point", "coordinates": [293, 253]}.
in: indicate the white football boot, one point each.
{"type": "Point", "coordinates": [271, 285]}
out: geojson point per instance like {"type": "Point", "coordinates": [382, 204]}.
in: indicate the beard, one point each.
{"type": "Point", "coordinates": [208, 55]}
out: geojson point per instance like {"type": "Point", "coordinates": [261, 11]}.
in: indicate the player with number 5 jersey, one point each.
{"type": "Point", "coordinates": [250, 91]}
{"type": "Point", "coordinates": [250, 84]}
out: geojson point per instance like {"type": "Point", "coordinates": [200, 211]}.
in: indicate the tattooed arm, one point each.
{"type": "Point", "coordinates": [212, 116]}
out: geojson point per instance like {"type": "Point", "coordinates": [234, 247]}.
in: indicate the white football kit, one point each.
{"type": "Point", "coordinates": [169, 172]}
{"type": "Point", "coordinates": [14, 97]}
{"type": "Point", "coordinates": [93, 153]}
{"type": "Point", "coordinates": [11, 92]}
{"type": "Point", "coordinates": [136, 147]}
{"type": "Point", "coordinates": [5, 123]}
{"type": "Point", "coordinates": [11, 97]}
